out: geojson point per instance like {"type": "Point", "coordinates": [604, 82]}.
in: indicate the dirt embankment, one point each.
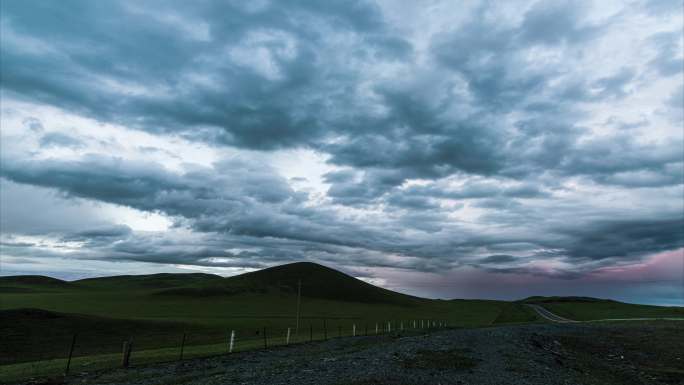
{"type": "Point", "coordinates": [615, 353]}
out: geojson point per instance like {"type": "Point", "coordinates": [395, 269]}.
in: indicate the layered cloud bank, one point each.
{"type": "Point", "coordinates": [423, 147]}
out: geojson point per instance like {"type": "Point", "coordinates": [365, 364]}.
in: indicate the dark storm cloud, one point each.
{"type": "Point", "coordinates": [412, 202]}
{"type": "Point", "coordinates": [497, 258]}
{"type": "Point", "coordinates": [253, 77]}
{"type": "Point", "coordinates": [114, 232]}
{"type": "Point", "coordinates": [95, 177]}
{"type": "Point", "coordinates": [604, 159]}
{"type": "Point", "coordinates": [34, 125]}
{"type": "Point", "coordinates": [56, 139]}
{"type": "Point", "coordinates": [614, 85]}
{"type": "Point", "coordinates": [489, 116]}
{"type": "Point", "coordinates": [191, 84]}
{"type": "Point", "coordinates": [101, 236]}
{"type": "Point", "coordinates": [242, 201]}
{"type": "Point", "coordinates": [235, 197]}
{"type": "Point", "coordinates": [557, 22]}
{"type": "Point", "coordinates": [148, 186]}
{"type": "Point", "coordinates": [489, 54]}
{"type": "Point", "coordinates": [624, 238]}
{"type": "Point", "coordinates": [475, 190]}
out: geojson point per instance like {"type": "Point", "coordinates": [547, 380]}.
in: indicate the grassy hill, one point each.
{"type": "Point", "coordinates": [40, 315]}
{"type": "Point", "coordinates": [320, 282]}
{"type": "Point", "coordinates": [317, 281]}
{"type": "Point", "coordinates": [588, 308]}
{"type": "Point", "coordinates": [150, 281]}
{"type": "Point", "coordinates": [265, 298]}
{"type": "Point", "coordinates": [31, 283]}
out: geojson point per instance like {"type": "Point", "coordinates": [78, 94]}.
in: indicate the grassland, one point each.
{"type": "Point", "coordinates": [588, 309]}
{"type": "Point", "coordinates": [41, 315]}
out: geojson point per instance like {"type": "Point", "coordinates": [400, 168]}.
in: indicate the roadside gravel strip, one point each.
{"type": "Point", "coordinates": [543, 354]}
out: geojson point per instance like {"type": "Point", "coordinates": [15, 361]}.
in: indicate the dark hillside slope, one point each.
{"type": "Point", "coordinates": [152, 281]}
{"type": "Point", "coordinates": [32, 334]}
{"type": "Point", "coordinates": [317, 281]}
{"type": "Point", "coordinates": [31, 283]}
{"type": "Point", "coordinates": [320, 282]}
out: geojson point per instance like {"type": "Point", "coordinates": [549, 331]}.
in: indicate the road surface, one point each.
{"type": "Point", "coordinates": [548, 315]}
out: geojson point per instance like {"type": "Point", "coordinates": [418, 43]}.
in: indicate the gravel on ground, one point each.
{"type": "Point", "coordinates": [548, 354]}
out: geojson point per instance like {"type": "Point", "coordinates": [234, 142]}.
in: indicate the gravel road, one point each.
{"type": "Point", "coordinates": [544, 313]}
{"type": "Point", "coordinates": [548, 354]}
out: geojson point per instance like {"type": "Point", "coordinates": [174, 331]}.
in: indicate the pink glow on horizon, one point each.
{"type": "Point", "coordinates": [663, 266]}
{"type": "Point", "coordinates": [657, 279]}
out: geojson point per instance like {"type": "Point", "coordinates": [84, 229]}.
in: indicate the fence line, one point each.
{"type": "Point", "coordinates": [158, 347]}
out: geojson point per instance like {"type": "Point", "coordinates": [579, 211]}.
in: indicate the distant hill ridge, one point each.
{"type": "Point", "coordinates": [554, 299]}
{"type": "Point", "coordinates": [317, 281]}
{"type": "Point", "coordinates": [32, 280]}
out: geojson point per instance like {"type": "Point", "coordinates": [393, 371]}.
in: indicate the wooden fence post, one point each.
{"type": "Point", "coordinates": [124, 348]}
{"type": "Point", "coordinates": [71, 353]}
{"type": "Point", "coordinates": [126, 354]}
{"type": "Point", "coordinates": [265, 340]}
{"type": "Point", "coordinates": [180, 358]}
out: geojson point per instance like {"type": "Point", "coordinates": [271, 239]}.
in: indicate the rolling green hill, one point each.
{"type": "Point", "coordinates": [150, 281]}
{"type": "Point", "coordinates": [320, 282]}
{"type": "Point", "coordinates": [317, 281]}
{"type": "Point", "coordinates": [588, 308]}
{"type": "Point", "coordinates": [265, 297]}
{"type": "Point", "coordinates": [31, 283]}
{"type": "Point", "coordinates": [40, 315]}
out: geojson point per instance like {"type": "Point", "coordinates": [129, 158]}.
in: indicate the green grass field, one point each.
{"type": "Point", "coordinates": [588, 309]}
{"type": "Point", "coordinates": [41, 315]}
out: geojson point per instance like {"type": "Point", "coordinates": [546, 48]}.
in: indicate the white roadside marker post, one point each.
{"type": "Point", "coordinates": [287, 339]}
{"type": "Point", "coordinates": [232, 341]}
{"type": "Point", "coordinates": [389, 327]}
{"type": "Point", "coordinates": [401, 326]}
{"type": "Point", "coordinates": [354, 330]}
{"type": "Point", "coordinates": [376, 328]}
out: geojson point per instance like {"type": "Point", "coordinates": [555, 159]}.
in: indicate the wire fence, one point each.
{"type": "Point", "coordinates": [87, 350]}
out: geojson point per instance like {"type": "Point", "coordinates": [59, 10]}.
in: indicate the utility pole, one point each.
{"type": "Point", "coordinates": [299, 302]}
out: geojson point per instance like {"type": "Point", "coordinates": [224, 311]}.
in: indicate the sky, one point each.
{"type": "Point", "coordinates": [438, 148]}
